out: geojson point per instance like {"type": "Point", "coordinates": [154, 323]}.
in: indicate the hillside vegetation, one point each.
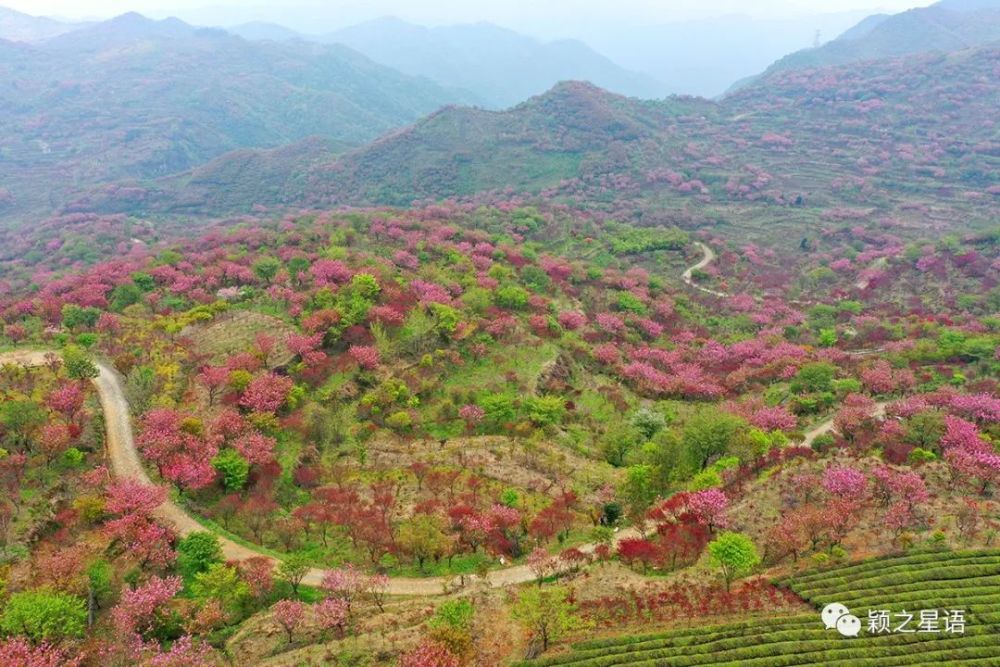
{"type": "Point", "coordinates": [941, 27]}
{"type": "Point", "coordinates": [900, 138]}
{"type": "Point", "coordinates": [133, 98]}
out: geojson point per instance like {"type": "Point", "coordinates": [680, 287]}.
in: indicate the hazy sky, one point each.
{"type": "Point", "coordinates": [522, 13]}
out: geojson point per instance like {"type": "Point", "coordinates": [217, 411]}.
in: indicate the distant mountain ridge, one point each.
{"type": "Point", "coordinates": [18, 27]}
{"type": "Point", "coordinates": [499, 66]}
{"type": "Point", "coordinates": [133, 98]}
{"type": "Point", "coordinates": [824, 138]}
{"type": "Point", "coordinates": [946, 26]}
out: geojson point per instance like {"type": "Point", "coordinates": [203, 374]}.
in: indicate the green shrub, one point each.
{"type": "Point", "coordinates": [197, 552]}
{"type": "Point", "coordinates": [44, 615]}
{"type": "Point", "coordinates": [233, 467]}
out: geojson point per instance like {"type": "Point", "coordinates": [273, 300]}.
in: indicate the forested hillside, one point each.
{"type": "Point", "coordinates": [133, 98]}
{"type": "Point", "coordinates": [903, 137]}
{"type": "Point", "coordinates": [308, 362]}
{"type": "Point", "coordinates": [942, 27]}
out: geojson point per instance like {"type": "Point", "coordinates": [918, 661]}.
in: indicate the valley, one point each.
{"type": "Point", "coordinates": [402, 343]}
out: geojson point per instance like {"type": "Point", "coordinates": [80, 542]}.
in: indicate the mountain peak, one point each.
{"type": "Point", "coordinates": [121, 29]}
{"type": "Point", "coordinates": [573, 94]}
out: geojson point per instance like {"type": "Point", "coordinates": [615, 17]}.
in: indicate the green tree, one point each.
{"type": "Point", "coordinates": [618, 442]}
{"type": "Point", "coordinates": [266, 268]}
{"type": "Point", "coordinates": [827, 337]}
{"type": "Point", "coordinates": [124, 296]}
{"type": "Point", "coordinates": [649, 422]}
{"type": "Point", "coordinates": [233, 467]}
{"type": "Point", "coordinates": [451, 625]}
{"type": "Point", "coordinates": [925, 429]}
{"type": "Point", "coordinates": [814, 377]}
{"type": "Point", "coordinates": [666, 454]}
{"type": "Point", "coordinates": [19, 419]}
{"type": "Point", "coordinates": [499, 409]}
{"type": "Point", "coordinates": [99, 575]}
{"type": "Point", "coordinates": [511, 297]}
{"type": "Point", "coordinates": [546, 613]}
{"type": "Point", "coordinates": [545, 410]}
{"type": "Point", "coordinates": [197, 552]}
{"type": "Point", "coordinates": [423, 537]}
{"type": "Point", "coordinates": [639, 489]}
{"type": "Point", "coordinates": [293, 570]}
{"type": "Point", "coordinates": [44, 615]}
{"type": "Point", "coordinates": [630, 303]}
{"type": "Point", "coordinates": [706, 479]}
{"type": "Point", "coordinates": [144, 281]}
{"type": "Point", "coordinates": [75, 317]}
{"type": "Point", "coordinates": [140, 385]}
{"type": "Point", "coordinates": [78, 365]}
{"type": "Point", "coordinates": [535, 278]}
{"type": "Point", "coordinates": [710, 434]}
{"type": "Point", "coordinates": [446, 319]}
{"type": "Point", "coordinates": [223, 583]}
{"type": "Point", "coordinates": [735, 554]}
{"type": "Point", "coordinates": [399, 421]}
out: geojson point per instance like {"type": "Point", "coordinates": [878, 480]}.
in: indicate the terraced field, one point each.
{"type": "Point", "coordinates": [942, 580]}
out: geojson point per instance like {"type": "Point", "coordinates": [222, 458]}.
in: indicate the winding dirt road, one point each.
{"type": "Point", "coordinates": [708, 258]}
{"type": "Point", "coordinates": [124, 461]}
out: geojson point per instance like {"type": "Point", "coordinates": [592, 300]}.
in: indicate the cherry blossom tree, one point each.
{"type": "Point", "coordinates": [183, 652]}
{"type": "Point", "coordinates": [174, 444]}
{"type": "Point", "coordinates": [266, 393]}
{"type": "Point", "coordinates": [67, 400]}
{"type": "Point", "coordinates": [258, 573]}
{"type": "Point", "coordinates": [364, 356]}
{"type": "Point", "coordinates": [256, 448]}
{"type": "Point", "coordinates": [429, 654]}
{"type": "Point", "coordinates": [709, 507]}
{"type": "Point", "coordinates": [541, 563]}
{"type": "Point", "coordinates": [844, 482]}
{"type": "Point", "coordinates": [133, 527]}
{"type": "Point", "coordinates": [332, 614]}
{"type": "Point", "coordinates": [215, 379]}
{"type": "Point", "coordinates": [288, 614]}
{"type": "Point", "coordinates": [139, 609]}
{"type": "Point", "coordinates": [345, 583]}
{"type": "Point", "coordinates": [637, 550]}
{"type": "Point", "coordinates": [19, 652]}
{"type": "Point", "coordinates": [571, 320]}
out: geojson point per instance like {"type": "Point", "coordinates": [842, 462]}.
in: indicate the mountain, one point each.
{"type": "Point", "coordinates": [500, 66]}
{"type": "Point", "coordinates": [18, 27]}
{"type": "Point", "coordinates": [942, 27]}
{"type": "Point", "coordinates": [580, 133]}
{"type": "Point", "coordinates": [133, 98]}
{"type": "Point", "coordinates": [120, 31]}
{"type": "Point", "coordinates": [259, 30]}
{"type": "Point", "coordinates": [864, 27]}
{"type": "Point", "coordinates": [893, 135]}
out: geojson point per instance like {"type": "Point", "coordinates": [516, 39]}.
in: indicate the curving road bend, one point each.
{"type": "Point", "coordinates": [124, 461]}
{"type": "Point", "coordinates": [708, 258]}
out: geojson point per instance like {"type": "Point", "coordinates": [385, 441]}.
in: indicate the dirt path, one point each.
{"type": "Point", "coordinates": [709, 257]}
{"type": "Point", "coordinates": [124, 461]}
{"type": "Point", "coordinates": [828, 427]}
